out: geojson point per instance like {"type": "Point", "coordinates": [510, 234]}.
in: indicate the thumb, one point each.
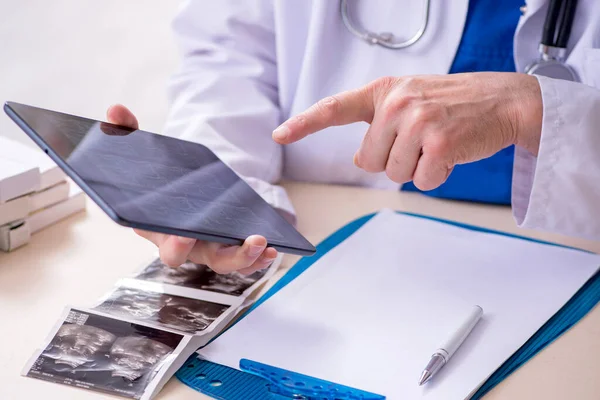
{"type": "Point", "coordinates": [118, 114]}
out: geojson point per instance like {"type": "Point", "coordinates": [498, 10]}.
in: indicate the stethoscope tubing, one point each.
{"type": "Point", "coordinates": [565, 11]}
{"type": "Point", "coordinates": [384, 39]}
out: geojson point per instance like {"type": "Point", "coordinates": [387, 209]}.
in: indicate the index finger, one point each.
{"type": "Point", "coordinates": [340, 109]}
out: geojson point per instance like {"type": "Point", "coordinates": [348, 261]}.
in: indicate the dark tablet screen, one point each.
{"type": "Point", "coordinates": [158, 181]}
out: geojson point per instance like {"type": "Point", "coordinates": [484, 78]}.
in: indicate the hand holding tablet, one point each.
{"type": "Point", "coordinates": [252, 256]}
{"type": "Point", "coordinates": [175, 193]}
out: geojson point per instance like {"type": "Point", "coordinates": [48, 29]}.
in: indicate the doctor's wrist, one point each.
{"type": "Point", "coordinates": [529, 113]}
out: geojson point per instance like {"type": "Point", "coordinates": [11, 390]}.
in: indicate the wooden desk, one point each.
{"type": "Point", "coordinates": [79, 259]}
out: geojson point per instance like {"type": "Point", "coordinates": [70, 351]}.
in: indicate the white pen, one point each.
{"type": "Point", "coordinates": [443, 354]}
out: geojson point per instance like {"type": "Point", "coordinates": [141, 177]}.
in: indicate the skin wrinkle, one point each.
{"type": "Point", "coordinates": [460, 113]}
{"type": "Point", "coordinates": [300, 120]}
{"type": "Point", "coordinates": [328, 108]}
{"type": "Point", "coordinates": [398, 155]}
{"type": "Point", "coordinates": [529, 115]}
{"type": "Point", "coordinates": [366, 98]}
{"type": "Point", "coordinates": [368, 141]}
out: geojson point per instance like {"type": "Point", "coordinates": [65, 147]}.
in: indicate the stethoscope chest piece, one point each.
{"type": "Point", "coordinates": [553, 69]}
{"type": "Point", "coordinates": [552, 65]}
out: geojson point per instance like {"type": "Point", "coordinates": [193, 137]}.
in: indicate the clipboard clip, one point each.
{"type": "Point", "coordinates": [256, 381]}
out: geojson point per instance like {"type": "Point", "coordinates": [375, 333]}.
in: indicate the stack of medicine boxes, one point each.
{"type": "Point", "coordinates": [34, 193]}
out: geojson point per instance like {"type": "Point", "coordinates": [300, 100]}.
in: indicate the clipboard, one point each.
{"type": "Point", "coordinates": [256, 381]}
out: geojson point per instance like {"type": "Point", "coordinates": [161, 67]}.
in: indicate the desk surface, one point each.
{"type": "Point", "coordinates": [79, 259]}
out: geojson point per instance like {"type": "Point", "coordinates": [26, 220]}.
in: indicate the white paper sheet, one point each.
{"type": "Point", "coordinates": [370, 312]}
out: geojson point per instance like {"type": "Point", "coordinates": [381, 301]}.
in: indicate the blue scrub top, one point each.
{"type": "Point", "coordinates": [486, 45]}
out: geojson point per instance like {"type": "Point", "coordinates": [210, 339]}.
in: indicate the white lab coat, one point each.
{"type": "Point", "coordinates": [249, 65]}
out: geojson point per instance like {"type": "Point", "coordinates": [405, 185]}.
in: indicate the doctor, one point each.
{"type": "Point", "coordinates": [442, 104]}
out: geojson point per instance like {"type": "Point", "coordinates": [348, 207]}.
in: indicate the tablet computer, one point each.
{"type": "Point", "coordinates": [157, 183]}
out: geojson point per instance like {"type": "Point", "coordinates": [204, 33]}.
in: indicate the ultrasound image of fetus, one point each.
{"type": "Point", "coordinates": [134, 356]}
{"type": "Point", "coordinates": [190, 315]}
{"type": "Point", "coordinates": [76, 345]}
{"type": "Point", "coordinates": [199, 276]}
{"type": "Point", "coordinates": [233, 283]}
{"type": "Point", "coordinates": [105, 354]}
{"type": "Point", "coordinates": [135, 303]}
{"type": "Point", "coordinates": [174, 312]}
{"type": "Point", "coordinates": [159, 272]}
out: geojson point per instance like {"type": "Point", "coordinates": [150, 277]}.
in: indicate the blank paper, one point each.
{"type": "Point", "coordinates": [370, 313]}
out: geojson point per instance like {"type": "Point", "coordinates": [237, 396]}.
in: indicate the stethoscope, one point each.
{"type": "Point", "coordinates": [385, 39]}
{"type": "Point", "coordinates": [552, 48]}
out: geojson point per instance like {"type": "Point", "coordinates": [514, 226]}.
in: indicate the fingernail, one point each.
{"type": "Point", "coordinates": [255, 250]}
{"type": "Point", "coordinates": [355, 159]}
{"type": "Point", "coordinates": [185, 240]}
{"type": "Point", "coordinates": [281, 132]}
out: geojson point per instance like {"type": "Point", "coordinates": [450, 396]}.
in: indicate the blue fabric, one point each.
{"type": "Point", "coordinates": [486, 45]}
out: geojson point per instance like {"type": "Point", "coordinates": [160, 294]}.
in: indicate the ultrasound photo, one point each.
{"type": "Point", "coordinates": [199, 276]}
{"type": "Point", "coordinates": [168, 311]}
{"type": "Point", "coordinates": [105, 354]}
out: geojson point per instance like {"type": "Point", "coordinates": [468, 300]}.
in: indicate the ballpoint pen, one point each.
{"type": "Point", "coordinates": [441, 356]}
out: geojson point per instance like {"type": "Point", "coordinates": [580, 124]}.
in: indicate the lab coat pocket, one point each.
{"type": "Point", "coordinates": [591, 67]}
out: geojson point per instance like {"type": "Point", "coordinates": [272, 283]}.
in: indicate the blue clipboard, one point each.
{"type": "Point", "coordinates": [257, 381]}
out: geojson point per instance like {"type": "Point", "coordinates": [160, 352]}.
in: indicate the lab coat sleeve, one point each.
{"type": "Point", "coordinates": [559, 190]}
{"type": "Point", "coordinates": [224, 94]}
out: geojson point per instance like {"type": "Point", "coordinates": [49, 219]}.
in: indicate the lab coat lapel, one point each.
{"type": "Point", "coordinates": [533, 6]}
{"type": "Point", "coordinates": [528, 34]}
